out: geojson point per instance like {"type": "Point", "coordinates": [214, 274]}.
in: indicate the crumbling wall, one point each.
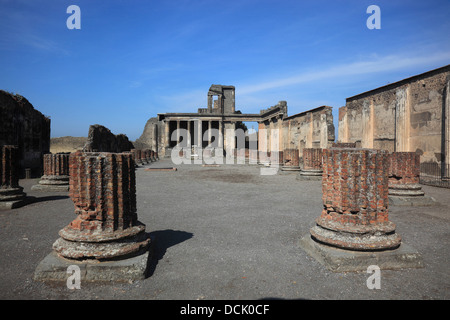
{"type": "Point", "coordinates": [309, 129]}
{"type": "Point", "coordinates": [24, 126]}
{"type": "Point", "coordinates": [406, 116]}
{"type": "Point", "coordinates": [152, 137]}
{"type": "Point", "coordinates": [101, 139]}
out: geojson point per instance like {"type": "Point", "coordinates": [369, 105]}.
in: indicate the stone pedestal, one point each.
{"type": "Point", "coordinates": [11, 194]}
{"type": "Point", "coordinates": [355, 209]}
{"type": "Point", "coordinates": [56, 173]}
{"type": "Point", "coordinates": [290, 160]}
{"type": "Point", "coordinates": [404, 187]}
{"type": "Point", "coordinates": [312, 165]}
{"type": "Point", "coordinates": [106, 229]}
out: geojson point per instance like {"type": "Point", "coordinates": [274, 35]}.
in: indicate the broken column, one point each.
{"type": "Point", "coordinates": [11, 194]}
{"type": "Point", "coordinates": [290, 160]}
{"type": "Point", "coordinates": [354, 230]}
{"type": "Point", "coordinates": [312, 164]}
{"type": "Point", "coordinates": [106, 236]}
{"type": "Point", "coordinates": [56, 173]}
{"type": "Point", "coordinates": [404, 187]}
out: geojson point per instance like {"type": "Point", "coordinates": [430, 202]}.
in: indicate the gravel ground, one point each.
{"type": "Point", "coordinates": [225, 233]}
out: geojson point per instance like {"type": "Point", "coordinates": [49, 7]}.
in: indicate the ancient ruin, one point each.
{"type": "Point", "coordinates": [217, 126]}
{"type": "Point", "coordinates": [101, 139]}
{"type": "Point", "coordinates": [404, 187]}
{"type": "Point", "coordinates": [312, 164]}
{"type": "Point", "coordinates": [291, 162]}
{"type": "Point", "coordinates": [411, 115]}
{"type": "Point", "coordinates": [355, 215]}
{"type": "Point", "coordinates": [28, 129]}
{"type": "Point", "coordinates": [56, 173]}
{"type": "Point", "coordinates": [11, 193]}
{"type": "Point", "coordinates": [106, 235]}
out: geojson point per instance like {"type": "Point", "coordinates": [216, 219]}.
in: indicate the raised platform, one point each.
{"type": "Point", "coordinates": [53, 268]}
{"type": "Point", "coordinates": [340, 260]}
{"type": "Point", "coordinates": [412, 200]}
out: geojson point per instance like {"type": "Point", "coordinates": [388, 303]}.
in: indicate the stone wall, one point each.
{"type": "Point", "coordinates": [411, 115]}
{"type": "Point", "coordinates": [309, 129]}
{"type": "Point", "coordinates": [101, 139]}
{"type": "Point", "coordinates": [24, 126]}
{"type": "Point", "coordinates": [152, 137]}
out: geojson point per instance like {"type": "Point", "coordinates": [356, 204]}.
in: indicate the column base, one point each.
{"type": "Point", "coordinates": [12, 198]}
{"type": "Point", "coordinates": [290, 169]}
{"type": "Point", "coordinates": [310, 175]}
{"type": "Point", "coordinates": [412, 200]}
{"type": "Point", "coordinates": [52, 183]}
{"type": "Point", "coordinates": [340, 260]}
{"type": "Point", "coordinates": [53, 268]}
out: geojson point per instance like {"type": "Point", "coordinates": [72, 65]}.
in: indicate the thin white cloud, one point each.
{"type": "Point", "coordinates": [375, 65]}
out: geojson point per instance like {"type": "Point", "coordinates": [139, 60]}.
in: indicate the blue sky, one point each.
{"type": "Point", "coordinates": [133, 59]}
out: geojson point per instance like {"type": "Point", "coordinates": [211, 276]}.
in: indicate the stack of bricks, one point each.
{"type": "Point", "coordinates": [103, 190]}
{"type": "Point", "coordinates": [56, 173]}
{"type": "Point", "coordinates": [11, 194]}
{"type": "Point", "coordinates": [404, 172]}
{"type": "Point", "coordinates": [290, 160]}
{"type": "Point", "coordinates": [355, 201]}
{"type": "Point", "coordinates": [312, 164]}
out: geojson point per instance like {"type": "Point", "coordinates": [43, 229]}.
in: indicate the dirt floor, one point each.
{"type": "Point", "coordinates": [225, 233]}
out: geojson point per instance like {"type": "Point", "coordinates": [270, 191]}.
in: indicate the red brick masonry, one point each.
{"type": "Point", "coordinates": [355, 200]}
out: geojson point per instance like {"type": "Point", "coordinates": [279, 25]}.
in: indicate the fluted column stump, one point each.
{"type": "Point", "coordinates": [11, 193]}
{"type": "Point", "coordinates": [312, 164]}
{"type": "Point", "coordinates": [291, 161]}
{"type": "Point", "coordinates": [353, 230]}
{"type": "Point", "coordinates": [404, 187]}
{"type": "Point", "coordinates": [56, 173]}
{"type": "Point", "coordinates": [106, 237]}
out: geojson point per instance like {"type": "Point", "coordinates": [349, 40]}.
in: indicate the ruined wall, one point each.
{"type": "Point", "coordinates": [310, 129]}
{"type": "Point", "coordinates": [407, 116]}
{"type": "Point", "coordinates": [101, 139]}
{"type": "Point", "coordinates": [25, 127]}
{"type": "Point", "coordinates": [152, 137]}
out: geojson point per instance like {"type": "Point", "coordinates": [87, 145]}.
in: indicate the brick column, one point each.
{"type": "Point", "coordinates": [355, 201]}
{"type": "Point", "coordinates": [103, 190]}
{"type": "Point", "coordinates": [290, 160]}
{"type": "Point", "coordinates": [404, 172]}
{"type": "Point", "coordinates": [312, 164]}
{"type": "Point", "coordinates": [11, 194]}
{"type": "Point", "coordinates": [404, 175]}
{"type": "Point", "coordinates": [56, 173]}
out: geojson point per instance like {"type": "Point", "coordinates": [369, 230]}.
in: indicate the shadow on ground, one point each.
{"type": "Point", "coordinates": [163, 240]}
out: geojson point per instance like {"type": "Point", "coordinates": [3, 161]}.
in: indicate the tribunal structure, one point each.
{"type": "Point", "coordinates": [210, 127]}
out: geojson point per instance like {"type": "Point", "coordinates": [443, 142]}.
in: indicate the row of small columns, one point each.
{"type": "Point", "coordinates": [199, 136]}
